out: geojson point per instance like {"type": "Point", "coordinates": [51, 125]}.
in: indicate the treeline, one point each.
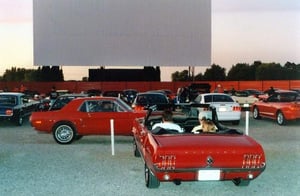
{"type": "Point", "coordinates": [42, 74]}
{"type": "Point", "coordinates": [243, 72]}
{"type": "Point", "coordinates": [238, 72]}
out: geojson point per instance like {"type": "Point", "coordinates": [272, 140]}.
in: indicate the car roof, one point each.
{"type": "Point", "coordinates": [98, 98]}
{"type": "Point", "coordinates": [74, 95]}
{"type": "Point", "coordinates": [205, 94]}
{"type": "Point", "coordinates": [285, 91]}
{"type": "Point", "coordinates": [12, 93]}
{"type": "Point", "coordinates": [152, 93]}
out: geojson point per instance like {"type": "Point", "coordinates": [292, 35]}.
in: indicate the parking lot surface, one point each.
{"type": "Point", "coordinates": [34, 164]}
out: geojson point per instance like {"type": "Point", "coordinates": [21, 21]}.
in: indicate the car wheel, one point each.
{"type": "Point", "coordinates": [280, 118]}
{"type": "Point", "coordinates": [136, 152]}
{"type": "Point", "coordinates": [241, 182]}
{"type": "Point", "coordinates": [256, 113]}
{"type": "Point", "coordinates": [150, 179]}
{"type": "Point", "coordinates": [64, 133]}
{"type": "Point", "coordinates": [19, 120]}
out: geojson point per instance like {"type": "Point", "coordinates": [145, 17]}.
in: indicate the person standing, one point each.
{"type": "Point", "coordinates": [53, 95]}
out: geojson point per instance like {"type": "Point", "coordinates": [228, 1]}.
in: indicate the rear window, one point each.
{"type": "Point", "coordinates": [222, 98]}
{"type": "Point", "coordinates": [8, 100]}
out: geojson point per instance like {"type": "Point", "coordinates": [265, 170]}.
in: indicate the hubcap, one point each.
{"type": "Point", "coordinates": [280, 118]}
{"type": "Point", "coordinates": [64, 133]}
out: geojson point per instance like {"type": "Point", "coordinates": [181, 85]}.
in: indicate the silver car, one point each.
{"type": "Point", "coordinates": [227, 108]}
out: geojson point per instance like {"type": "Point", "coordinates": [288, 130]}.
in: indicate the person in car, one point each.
{"type": "Point", "coordinates": [206, 125]}
{"type": "Point", "coordinates": [167, 122]}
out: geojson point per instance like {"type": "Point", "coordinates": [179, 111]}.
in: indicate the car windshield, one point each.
{"type": "Point", "coordinates": [284, 97]}
{"type": "Point", "coordinates": [145, 99]}
{"type": "Point", "coordinates": [61, 102]}
{"type": "Point", "coordinates": [8, 100]}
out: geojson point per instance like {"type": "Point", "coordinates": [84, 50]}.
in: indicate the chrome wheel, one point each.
{"type": "Point", "coordinates": [256, 113]}
{"type": "Point", "coordinates": [280, 118]}
{"type": "Point", "coordinates": [63, 134]}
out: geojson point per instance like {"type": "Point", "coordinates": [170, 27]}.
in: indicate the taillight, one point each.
{"type": "Point", "coordinates": [253, 161]}
{"type": "Point", "coordinates": [166, 162]}
{"type": "Point", "coordinates": [236, 108]}
{"type": "Point", "coordinates": [9, 112]}
{"type": "Point", "coordinates": [138, 108]}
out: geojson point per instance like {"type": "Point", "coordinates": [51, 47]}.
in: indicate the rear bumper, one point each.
{"type": "Point", "coordinates": [229, 116]}
{"type": "Point", "coordinates": [208, 174]}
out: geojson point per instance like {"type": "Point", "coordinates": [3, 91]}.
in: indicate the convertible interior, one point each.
{"type": "Point", "coordinates": [187, 118]}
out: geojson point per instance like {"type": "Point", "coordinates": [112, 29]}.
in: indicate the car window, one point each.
{"type": "Point", "coordinates": [222, 98]}
{"type": "Point", "coordinates": [8, 100]}
{"type": "Point", "coordinates": [24, 99]}
{"type": "Point", "coordinates": [151, 99]}
{"type": "Point", "coordinates": [61, 102]}
{"type": "Point", "coordinates": [102, 106]}
{"type": "Point", "coordinates": [208, 99]}
{"type": "Point", "coordinates": [273, 98]}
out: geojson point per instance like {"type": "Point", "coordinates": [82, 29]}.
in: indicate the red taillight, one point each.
{"type": "Point", "coordinates": [166, 162]}
{"type": "Point", "coordinates": [138, 108]}
{"type": "Point", "coordinates": [253, 161]}
{"type": "Point", "coordinates": [9, 112]}
{"type": "Point", "coordinates": [236, 108]}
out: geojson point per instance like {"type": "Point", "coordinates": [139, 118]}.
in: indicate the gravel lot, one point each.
{"type": "Point", "coordinates": [34, 164]}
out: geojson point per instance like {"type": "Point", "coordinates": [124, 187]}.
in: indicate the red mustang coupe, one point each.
{"type": "Point", "coordinates": [86, 116]}
{"type": "Point", "coordinates": [281, 106]}
{"type": "Point", "coordinates": [225, 154]}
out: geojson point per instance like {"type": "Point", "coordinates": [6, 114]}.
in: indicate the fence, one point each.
{"type": "Point", "coordinates": [79, 86]}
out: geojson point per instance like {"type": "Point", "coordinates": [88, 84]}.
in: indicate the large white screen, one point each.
{"type": "Point", "coordinates": [122, 32]}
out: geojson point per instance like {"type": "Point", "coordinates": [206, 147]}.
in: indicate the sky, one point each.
{"type": "Point", "coordinates": [243, 31]}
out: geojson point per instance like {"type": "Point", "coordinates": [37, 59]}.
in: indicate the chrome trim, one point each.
{"type": "Point", "coordinates": [224, 170]}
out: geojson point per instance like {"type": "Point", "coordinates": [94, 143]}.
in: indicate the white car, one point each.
{"type": "Point", "coordinates": [227, 108]}
{"type": "Point", "coordinates": [243, 97]}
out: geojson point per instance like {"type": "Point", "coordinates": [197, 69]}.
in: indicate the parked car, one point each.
{"type": "Point", "coordinates": [243, 97]}
{"type": "Point", "coordinates": [227, 108]}
{"type": "Point", "coordinates": [94, 92]}
{"type": "Point", "coordinates": [129, 95]}
{"type": "Point", "coordinates": [86, 116]}
{"type": "Point", "coordinates": [16, 106]}
{"type": "Point", "coordinates": [146, 99]}
{"type": "Point", "coordinates": [254, 92]}
{"type": "Point", "coordinates": [170, 156]}
{"type": "Point", "coordinates": [113, 94]}
{"type": "Point", "coordinates": [282, 106]}
{"type": "Point", "coordinates": [64, 99]}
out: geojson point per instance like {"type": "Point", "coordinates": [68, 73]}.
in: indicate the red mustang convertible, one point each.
{"type": "Point", "coordinates": [282, 106]}
{"type": "Point", "coordinates": [86, 116]}
{"type": "Point", "coordinates": [169, 156]}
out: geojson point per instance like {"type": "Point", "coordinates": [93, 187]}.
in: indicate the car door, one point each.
{"type": "Point", "coordinates": [97, 118]}
{"type": "Point", "coordinates": [267, 107]}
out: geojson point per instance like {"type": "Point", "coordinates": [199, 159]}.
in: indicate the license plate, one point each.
{"type": "Point", "coordinates": [205, 175]}
{"type": "Point", "coordinates": [222, 109]}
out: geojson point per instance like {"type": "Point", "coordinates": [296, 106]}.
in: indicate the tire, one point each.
{"type": "Point", "coordinates": [241, 182]}
{"type": "Point", "coordinates": [280, 119]}
{"type": "Point", "coordinates": [64, 133]}
{"type": "Point", "coordinates": [150, 180]}
{"type": "Point", "coordinates": [256, 113]}
{"type": "Point", "coordinates": [136, 152]}
{"type": "Point", "coordinates": [236, 122]}
{"type": "Point", "coordinates": [19, 120]}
